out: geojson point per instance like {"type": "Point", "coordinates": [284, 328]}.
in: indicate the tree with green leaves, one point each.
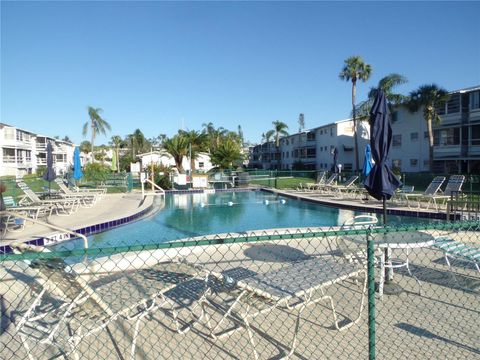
{"type": "Point", "coordinates": [214, 135]}
{"type": "Point", "coordinates": [387, 84]}
{"type": "Point", "coordinates": [355, 69]}
{"type": "Point", "coordinates": [197, 143]}
{"type": "Point", "coordinates": [178, 148]}
{"type": "Point", "coordinates": [428, 98]}
{"type": "Point", "coordinates": [85, 146]}
{"type": "Point", "coordinates": [96, 124]}
{"type": "Point", "coordinates": [227, 154]}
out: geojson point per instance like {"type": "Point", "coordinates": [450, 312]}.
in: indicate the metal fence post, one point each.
{"type": "Point", "coordinates": [371, 296]}
{"type": "Point", "coordinates": [129, 182]}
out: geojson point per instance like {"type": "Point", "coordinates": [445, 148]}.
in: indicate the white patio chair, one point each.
{"type": "Point", "coordinates": [87, 199]}
{"type": "Point", "coordinates": [428, 195]}
{"type": "Point", "coordinates": [79, 310]}
{"type": "Point", "coordinates": [458, 250]}
{"type": "Point", "coordinates": [63, 207]}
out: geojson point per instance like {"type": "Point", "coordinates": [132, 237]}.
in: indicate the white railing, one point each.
{"type": "Point", "coordinates": [10, 159]}
{"type": "Point", "coordinates": [159, 191]}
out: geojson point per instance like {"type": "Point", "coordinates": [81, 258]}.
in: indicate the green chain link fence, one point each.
{"type": "Point", "coordinates": [301, 293]}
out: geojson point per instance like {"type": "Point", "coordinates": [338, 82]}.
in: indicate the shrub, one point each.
{"type": "Point", "coordinates": [41, 170]}
{"type": "Point", "coordinates": [96, 172]}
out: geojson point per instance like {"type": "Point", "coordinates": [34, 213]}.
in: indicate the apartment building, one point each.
{"type": "Point", "coordinates": [22, 152]}
{"type": "Point", "coordinates": [313, 149]}
{"type": "Point", "coordinates": [456, 141]}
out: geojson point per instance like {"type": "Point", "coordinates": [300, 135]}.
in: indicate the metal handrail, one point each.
{"type": "Point", "coordinates": [54, 227]}
{"type": "Point", "coordinates": [153, 184]}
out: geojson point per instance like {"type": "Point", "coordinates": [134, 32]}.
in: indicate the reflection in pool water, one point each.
{"type": "Point", "coordinates": [188, 215]}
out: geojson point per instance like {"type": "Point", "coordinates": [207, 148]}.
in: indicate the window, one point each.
{"type": "Point", "coordinates": [311, 152]}
{"type": "Point", "coordinates": [414, 136]}
{"type": "Point", "coordinates": [475, 131]}
{"type": "Point", "coordinates": [201, 164]}
{"type": "Point", "coordinates": [325, 148]}
{"type": "Point", "coordinates": [397, 140]}
{"type": "Point", "coordinates": [440, 108]}
{"type": "Point", "coordinates": [394, 116]}
{"type": "Point", "coordinates": [453, 104]}
{"type": "Point", "coordinates": [293, 141]}
{"type": "Point", "coordinates": [9, 133]}
{"type": "Point", "coordinates": [311, 136]}
{"type": "Point", "coordinates": [425, 135]}
{"type": "Point", "coordinates": [426, 163]}
{"type": "Point", "coordinates": [413, 162]}
{"type": "Point", "coordinates": [475, 100]}
{"type": "Point", "coordinates": [347, 167]}
{"type": "Point", "coordinates": [321, 132]}
{"type": "Point", "coordinates": [287, 153]}
{"type": "Point", "coordinates": [397, 164]}
{"type": "Point", "coordinates": [445, 137]}
{"type": "Point", "coordinates": [286, 141]}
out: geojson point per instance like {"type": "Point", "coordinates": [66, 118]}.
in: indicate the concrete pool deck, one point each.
{"type": "Point", "coordinates": [108, 210]}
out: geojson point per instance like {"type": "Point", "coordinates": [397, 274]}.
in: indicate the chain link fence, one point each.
{"type": "Point", "coordinates": [297, 293]}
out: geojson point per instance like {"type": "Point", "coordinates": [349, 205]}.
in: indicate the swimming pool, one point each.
{"type": "Point", "coordinates": [190, 215]}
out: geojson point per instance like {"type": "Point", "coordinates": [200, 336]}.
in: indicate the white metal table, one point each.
{"type": "Point", "coordinates": [388, 241]}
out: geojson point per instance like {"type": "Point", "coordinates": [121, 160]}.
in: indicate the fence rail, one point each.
{"type": "Point", "coordinates": [301, 293]}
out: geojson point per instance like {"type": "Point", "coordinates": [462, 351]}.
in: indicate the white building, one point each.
{"type": "Point", "coordinates": [202, 162]}
{"type": "Point", "coordinates": [22, 152]}
{"type": "Point", "coordinates": [456, 141]}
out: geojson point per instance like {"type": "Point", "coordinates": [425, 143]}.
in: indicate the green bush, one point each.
{"type": "Point", "coordinates": [41, 170]}
{"type": "Point", "coordinates": [162, 180]}
{"type": "Point", "coordinates": [96, 172]}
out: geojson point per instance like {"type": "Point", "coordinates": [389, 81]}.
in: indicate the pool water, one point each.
{"type": "Point", "coordinates": [190, 215]}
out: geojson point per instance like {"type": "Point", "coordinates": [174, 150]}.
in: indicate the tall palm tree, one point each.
{"type": "Point", "coordinates": [428, 97]}
{"type": "Point", "coordinates": [97, 125]}
{"type": "Point", "coordinates": [178, 147]}
{"type": "Point", "coordinates": [355, 69]}
{"type": "Point", "coordinates": [279, 130]}
{"type": "Point", "coordinates": [116, 141]}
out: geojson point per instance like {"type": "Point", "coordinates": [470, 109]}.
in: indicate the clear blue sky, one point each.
{"type": "Point", "coordinates": [151, 64]}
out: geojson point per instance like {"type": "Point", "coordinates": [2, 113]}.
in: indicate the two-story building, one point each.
{"type": "Point", "coordinates": [22, 152]}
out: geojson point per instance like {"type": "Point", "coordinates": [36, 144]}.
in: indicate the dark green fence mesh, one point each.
{"type": "Point", "coordinates": [300, 293]}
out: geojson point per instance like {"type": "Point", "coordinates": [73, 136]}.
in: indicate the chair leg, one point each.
{"type": "Point", "coordinates": [407, 265]}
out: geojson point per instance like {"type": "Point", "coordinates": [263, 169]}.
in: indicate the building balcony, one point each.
{"type": "Point", "coordinates": [15, 143]}
{"type": "Point", "coordinates": [22, 161]}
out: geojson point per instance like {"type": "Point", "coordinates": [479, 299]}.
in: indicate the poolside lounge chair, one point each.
{"type": "Point", "coordinates": [429, 193]}
{"type": "Point", "coordinates": [98, 191]}
{"type": "Point", "coordinates": [79, 310]}
{"type": "Point", "coordinates": [458, 250]}
{"type": "Point", "coordinates": [87, 199]}
{"type": "Point", "coordinates": [454, 187]}
{"type": "Point", "coordinates": [345, 188]}
{"type": "Point", "coordinates": [62, 206]}
{"type": "Point", "coordinates": [321, 178]}
{"type": "Point", "coordinates": [327, 184]}
{"type": "Point", "coordinates": [12, 223]}
{"type": "Point", "coordinates": [294, 287]}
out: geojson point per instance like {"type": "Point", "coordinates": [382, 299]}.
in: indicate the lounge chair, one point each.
{"type": "Point", "coordinates": [458, 250]}
{"type": "Point", "coordinates": [99, 192]}
{"type": "Point", "coordinates": [80, 310]}
{"type": "Point", "coordinates": [429, 193]}
{"type": "Point", "coordinates": [293, 287]}
{"type": "Point", "coordinates": [345, 188]}
{"type": "Point", "coordinates": [61, 206]}
{"type": "Point", "coordinates": [87, 199]}
{"type": "Point", "coordinates": [454, 187]}
{"type": "Point", "coordinates": [327, 184]}
{"type": "Point", "coordinates": [11, 223]}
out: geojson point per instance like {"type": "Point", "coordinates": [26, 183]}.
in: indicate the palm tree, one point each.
{"type": "Point", "coordinates": [227, 153]}
{"type": "Point", "coordinates": [428, 97]}
{"type": "Point", "coordinates": [97, 125]}
{"type": "Point", "coordinates": [279, 130]}
{"type": "Point", "coordinates": [197, 141]}
{"type": "Point", "coordinates": [116, 141]}
{"type": "Point", "coordinates": [178, 147]}
{"type": "Point", "coordinates": [387, 85]}
{"type": "Point", "coordinates": [355, 69]}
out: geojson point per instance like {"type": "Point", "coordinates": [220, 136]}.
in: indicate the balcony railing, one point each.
{"type": "Point", "coordinates": [10, 159]}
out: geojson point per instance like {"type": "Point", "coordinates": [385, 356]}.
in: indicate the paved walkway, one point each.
{"type": "Point", "coordinates": [111, 207]}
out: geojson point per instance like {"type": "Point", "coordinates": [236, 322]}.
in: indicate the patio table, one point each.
{"type": "Point", "coordinates": [406, 240]}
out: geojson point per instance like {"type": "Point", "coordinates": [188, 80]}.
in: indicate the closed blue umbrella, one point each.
{"type": "Point", "coordinates": [381, 182]}
{"type": "Point", "coordinates": [77, 164]}
{"type": "Point", "coordinates": [367, 162]}
{"type": "Point", "coordinates": [335, 168]}
{"type": "Point", "coordinates": [50, 173]}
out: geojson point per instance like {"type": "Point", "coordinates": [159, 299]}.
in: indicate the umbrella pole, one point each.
{"type": "Point", "coordinates": [389, 287]}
